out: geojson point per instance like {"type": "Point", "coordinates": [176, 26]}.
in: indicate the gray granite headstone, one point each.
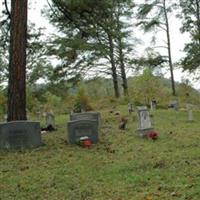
{"type": "Point", "coordinates": [86, 115]}
{"type": "Point", "coordinates": [81, 128]}
{"type": "Point", "coordinates": [144, 121]}
{"type": "Point", "coordinates": [20, 135]}
{"type": "Point", "coordinates": [50, 119]}
{"type": "Point", "coordinates": [174, 105]}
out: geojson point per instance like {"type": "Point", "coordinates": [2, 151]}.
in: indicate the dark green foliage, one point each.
{"type": "Point", "coordinates": [92, 32]}
{"type": "Point", "coordinates": [190, 15]}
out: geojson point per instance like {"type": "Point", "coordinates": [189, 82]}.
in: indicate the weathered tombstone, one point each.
{"type": "Point", "coordinates": [50, 119]}
{"type": "Point", "coordinates": [190, 112]}
{"type": "Point", "coordinates": [86, 115]}
{"type": "Point", "coordinates": [81, 128]}
{"type": "Point", "coordinates": [174, 105]}
{"type": "Point", "coordinates": [20, 135]}
{"type": "Point", "coordinates": [38, 115]}
{"type": "Point", "coordinates": [144, 121]}
{"type": "Point", "coordinates": [130, 108]}
{"type": "Point", "coordinates": [153, 104]}
{"type": "Point", "coordinates": [5, 117]}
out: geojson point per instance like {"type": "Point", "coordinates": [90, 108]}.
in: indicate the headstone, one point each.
{"type": "Point", "coordinates": [153, 104]}
{"type": "Point", "coordinates": [5, 117]}
{"type": "Point", "coordinates": [38, 115]}
{"type": "Point", "coordinates": [81, 128]}
{"type": "Point", "coordinates": [50, 119]}
{"type": "Point", "coordinates": [190, 112]}
{"type": "Point", "coordinates": [86, 115]}
{"type": "Point", "coordinates": [130, 108]}
{"type": "Point", "coordinates": [20, 135]}
{"type": "Point", "coordinates": [144, 121]}
{"type": "Point", "coordinates": [174, 105]}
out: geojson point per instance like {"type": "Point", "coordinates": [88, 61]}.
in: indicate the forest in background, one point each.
{"type": "Point", "coordinates": [96, 48]}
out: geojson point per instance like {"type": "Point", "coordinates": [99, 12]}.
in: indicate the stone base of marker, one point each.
{"type": "Point", "coordinates": [144, 132]}
{"type": "Point", "coordinates": [20, 135]}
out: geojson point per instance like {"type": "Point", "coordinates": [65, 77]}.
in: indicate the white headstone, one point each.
{"type": "Point", "coordinates": [190, 116]}
{"type": "Point", "coordinates": [190, 112]}
{"type": "Point", "coordinates": [144, 121]}
{"type": "Point", "coordinates": [50, 119]}
{"type": "Point", "coordinates": [153, 105]}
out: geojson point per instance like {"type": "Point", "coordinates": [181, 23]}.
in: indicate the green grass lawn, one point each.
{"type": "Point", "coordinates": [121, 166]}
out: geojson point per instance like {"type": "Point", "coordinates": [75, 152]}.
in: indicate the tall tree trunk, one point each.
{"type": "Point", "coordinates": [122, 68]}
{"type": "Point", "coordinates": [120, 49]}
{"type": "Point", "coordinates": [113, 67]}
{"type": "Point", "coordinates": [198, 18]}
{"type": "Point", "coordinates": [169, 50]}
{"type": "Point", "coordinates": [17, 64]}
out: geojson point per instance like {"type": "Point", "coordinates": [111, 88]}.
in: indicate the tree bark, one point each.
{"type": "Point", "coordinates": [122, 68]}
{"type": "Point", "coordinates": [198, 18]}
{"type": "Point", "coordinates": [113, 67]}
{"type": "Point", "coordinates": [17, 62]}
{"type": "Point", "coordinates": [169, 50]}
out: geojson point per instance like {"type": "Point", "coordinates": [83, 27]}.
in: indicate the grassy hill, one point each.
{"type": "Point", "coordinates": [121, 166]}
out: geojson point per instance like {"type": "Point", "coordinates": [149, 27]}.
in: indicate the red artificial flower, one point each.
{"type": "Point", "coordinates": [87, 143]}
{"type": "Point", "coordinates": [152, 135]}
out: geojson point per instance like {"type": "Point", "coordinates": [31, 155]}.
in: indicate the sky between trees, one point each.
{"type": "Point", "coordinates": [177, 39]}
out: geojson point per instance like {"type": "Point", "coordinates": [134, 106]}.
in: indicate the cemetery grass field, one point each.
{"type": "Point", "coordinates": [121, 166]}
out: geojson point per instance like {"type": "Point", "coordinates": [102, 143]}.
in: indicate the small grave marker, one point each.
{"type": "Point", "coordinates": [174, 105]}
{"type": "Point", "coordinates": [130, 108]}
{"type": "Point", "coordinates": [153, 104]}
{"type": "Point", "coordinates": [50, 119]}
{"type": "Point", "coordinates": [190, 112]}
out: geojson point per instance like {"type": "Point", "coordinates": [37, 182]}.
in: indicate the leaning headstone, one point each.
{"type": "Point", "coordinates": [50, 119]}
{"type": "Point", "coordinates": [86, 115]}
{"type": "Point", "coordinates": [82, 128]}
{"type": "Point", "coordinates": [20, 135]}
{"type": "Point", "coordinates": [145, 125]}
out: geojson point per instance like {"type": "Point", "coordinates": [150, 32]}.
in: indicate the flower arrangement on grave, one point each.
{"type": "Point", "coordinates": [152, 135]}
{"type": "Point", "coordinates": [85, 142]}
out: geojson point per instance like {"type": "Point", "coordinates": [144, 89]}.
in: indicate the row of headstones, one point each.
{"type": "Point", "coordinates": [173, 104]}
{"type": "Point", "coordinates": [27, 134]}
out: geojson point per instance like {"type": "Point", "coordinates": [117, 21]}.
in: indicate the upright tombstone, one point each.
{"type": "Point", "coordinates": [153, 104]}
{"type": "Point", "coordinates": [145, 125]}
{"type": "Point", "coordinates": [86, 115]}
{"type": "Point", "coordinates": [130, 108]}
{"type": "Point", "coordinates": [20, 135]}
{"type": "Point", "coordinates": [190, 112]}
{"type": "Point", "coordinates": [50, 119]}
{"type": "Point", "coordinates": [82, 128]}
